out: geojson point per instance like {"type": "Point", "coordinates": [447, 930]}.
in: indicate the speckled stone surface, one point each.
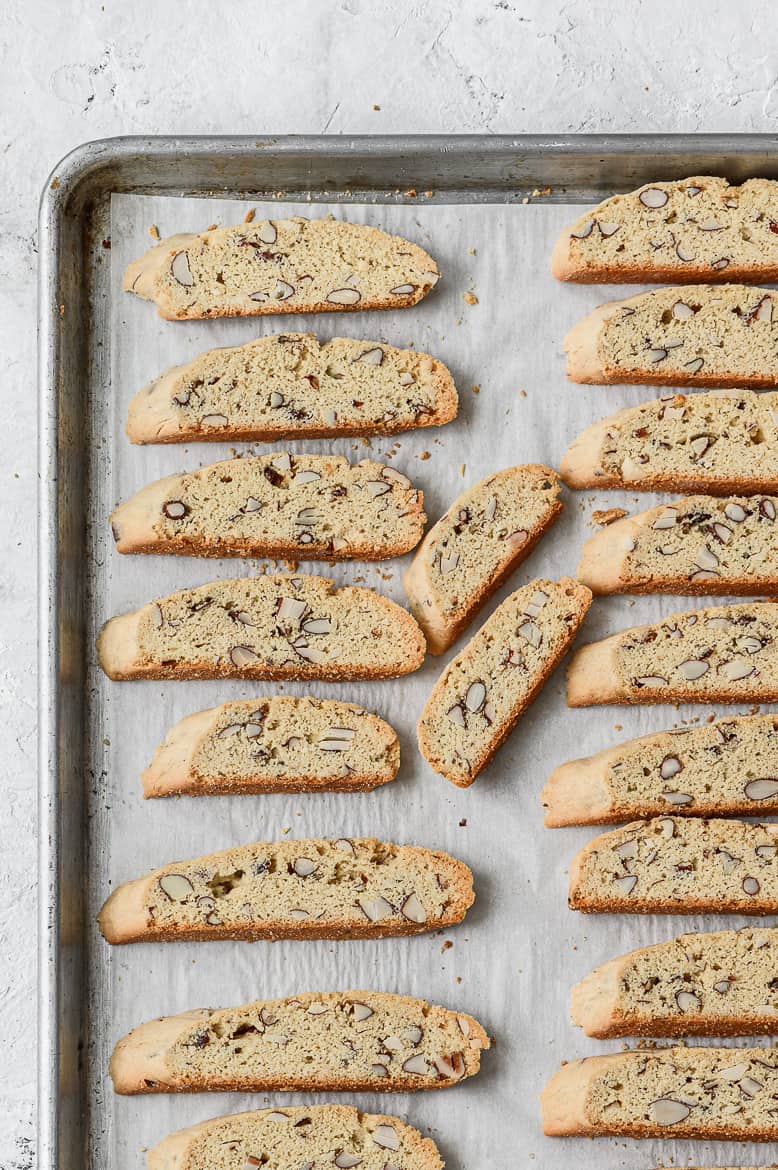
{"type": "Point", "coordinates": [80, 70]}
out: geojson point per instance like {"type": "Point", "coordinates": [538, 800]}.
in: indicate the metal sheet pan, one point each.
{"type": "Point", "coordinates": [76, 397]}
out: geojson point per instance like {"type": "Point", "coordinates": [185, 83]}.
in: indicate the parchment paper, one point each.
{"type": "Point", "coordinates": [513, 960]}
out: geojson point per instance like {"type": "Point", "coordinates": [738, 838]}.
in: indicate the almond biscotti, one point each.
{"type": "Point", "coordinates": [719, 984]}
{"type": "Point", "coordinates": [724, 1093]}
{"type": "Point", "coordinates": [485, 534]}
{"type": "Point", "coordinates": [724, 654]}
{"type": "Point", "coordinates": [485, 689]}
{"type": "Point", "coordinates": [701, 544]}
{"type": "Point", "coordinates": [279, 744]}
{"type": "Point", "coordinates": [726, 768]}
{"type": "Point", "coordinates": [302, 507]}
{"type": "Point", "coordinates": [345, 888]}
{"type": "Point", "coordinates": [296, 1138]}
{"type": "Point", "coordinates": [698, 335]}
{"type": "Point", "coordinates": [677, 865]}
{"type": "Point", "coordinates": [719, 442]}
{"type": "Point", "coordinates": [286, 626]}
{"type": "Point", "coordinates": [292, 386]}
{"type": "Point", "coordinates": [694, 229]}
{"type": "Point", "coordinates": [281, 266]}
{"type": "Point", "coordinates": [360, 1041]}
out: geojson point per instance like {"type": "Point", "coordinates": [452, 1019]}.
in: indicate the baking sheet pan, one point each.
{"type": "Point", "coordinates": [519, 950]}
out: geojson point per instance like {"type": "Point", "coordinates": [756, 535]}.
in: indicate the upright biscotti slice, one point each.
{"type": "Point", "coordinates": [689, 229]}
{"type": "Point", "coordinates": [720, 984]}
{"type": "Point", "coordinates": [281, 266]}
{"type": "Point", "coordinates": [484, 690]}
{"type": "Point", "coordinates": [297, 1137]}
{"type": "Point", "coordinates": [725, 654]}
{"type": "Point", "coordinates": [726, 1093]}
{"type": "Point", "coordinates": [701, 544]}
{"type": "Point", "coordinates": [285, 626]}
{"type": "Point", "coordinates": [677, 865]}
{"type": "Point", "coordinates": [719, 442]}
{"type": "Point", "coordinates": [361, 1041]}
{"type": "Point", "coordinates": [486, 533]}
{"type": "Point", "coordinates": [292, 386]}
{"type": "Point", "coordinates": [727, 768]}
{"type": "Point", "coordinates": [280, 744]}
{"type": "Point", "coordinates": [305, 507]}
{"type": "Point", "coordinates": [348, 888]}
{"type": "Point", "coordinates": [700, 335]}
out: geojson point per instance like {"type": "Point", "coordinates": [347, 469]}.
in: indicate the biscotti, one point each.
{"type": "Point", "coordinates": [484, 690]}
{"type": "Point", "coordinates": [677, 865]}
{"type": "Point", "coordinates": [724, 654]}
{"type": "Point", "coordinates": [304, 507]}
{"type": "Point", "coordinates": [719, 984]}
{"type": "Point", "coordinates": [726, 768]}
{"type": "Point", "coordinates": [485, 534]}
{"type": "Point", "coordinates": [699, 335]}
{"type": "Point", "coordinates": [720, 442]}
{"type": "Point", "coordinates": [726, 1093]}
{"type": "Point", "coordinates": [701, 544]}
{"type": "Point", "coordinates": [291, 386]}
{"type": "Point", "coordinates": [345, 888]}
{"type": "Point", "coordinates": [361, 1041]}
{"type": "Point", "coordinates": [286, 626]}
{"type": "Point", "coordinates": [296, 1138]}
{"type": "Point", "coordinates": [281, 266]}
{"type": "Point", "coordinates": [700, 228]}
{"type": "Point", "coordinates": [279, 744]}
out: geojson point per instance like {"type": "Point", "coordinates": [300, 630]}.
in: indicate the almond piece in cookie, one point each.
{"type": "Point", "coordinates": [485, 534]}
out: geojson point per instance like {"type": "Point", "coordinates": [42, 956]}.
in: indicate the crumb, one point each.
{"type": "Point", "coordinates": [522, 393]}
{"type": "Point", "coordinates": [476, 389]}
{"type": "Point", "coordinates": [411, 192]}
{"type": "Point", "coordinates": [249, 216]}
{"type": "Point", "coordinates": [608, 516]}
{"type": "Point", "coordinates": [471, 252]}
{"type": "Point", "coordinates": [711, 717]}
{"type": "Point", "coordinates": [365, 442]}
{"type": "Point", "coordinates": [525, 199]}
{"type": "Point", "coordinates": [447, 945]}
{"type": "Point", "coordinates": [463, 823]}
{"type": "Point", "coordinates": [458, 979]}
{"type": "Point", "coordinates": [376, 107]}
{"type": "Point", "coordinates": [212, 227]}
{"type": "Point", "coordinates": [154, 232]}
{"type": "Point", "coordinates": [428, 194]}
{"type": "Point", "coordinates": [286, 829]}
{"type": "Point", "coordinates": [617, 727]}
{"type": "Point", "coordinates": [425, 455]}
{"type": "Point", "coordinates": [107, 245]}
{"type": "Point", "coordinates": [470, 298]}
{"type": "Point", "coordinates": [62, 310]}
{"type": "Point", "coordinates": [462, 468]}
{"type": "Point", "coordinates": [541, 191]}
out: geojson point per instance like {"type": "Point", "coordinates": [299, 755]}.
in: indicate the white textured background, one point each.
{"type": "Point", "coordinates": [73, 70]}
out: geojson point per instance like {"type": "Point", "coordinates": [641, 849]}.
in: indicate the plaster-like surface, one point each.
{"type": "Point", "coordinates": [77, 70]}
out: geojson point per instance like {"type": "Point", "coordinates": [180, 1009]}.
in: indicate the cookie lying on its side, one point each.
{"type": "Point", "coordinates": [287, 626]}
{"type": "Point", "coordinates": [360, 1041]}
{"type": "Point", "coordinates": [484, 690]}
{"type": "Point", "coordinates": [291, 386]}
{"type": "Point", "coordinates": [348, 888]}
{"type": "Point", "coordinates": [725, 1093]}
{"type": "Point", "coordinates": [281, 266]}
{"type": "Point", "coordinates": [302, 507]}
{"type": "Point", "coordinates": [727, 768]}
{"type": "Point", "coordinates": [296, 1137]}
{"type": "Point", "coordinates": [724, 654]}
{"type": "Point", "coordinates": [698, 335]}
{"type": "Point", "coordinates": [280, 744]}
{"type": "Point", "coordinates": [472, 549]}
{"type": "Point", "coordinates": [689, 229]}
{"type": "Point", "coordinates": [721, 442]}
{"type": "Point", "coordinates": [701, 544]}
{"type": "Point", "coordinates": [719, 984]}
{"type": "Point", "coordinates": [676, 865]}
